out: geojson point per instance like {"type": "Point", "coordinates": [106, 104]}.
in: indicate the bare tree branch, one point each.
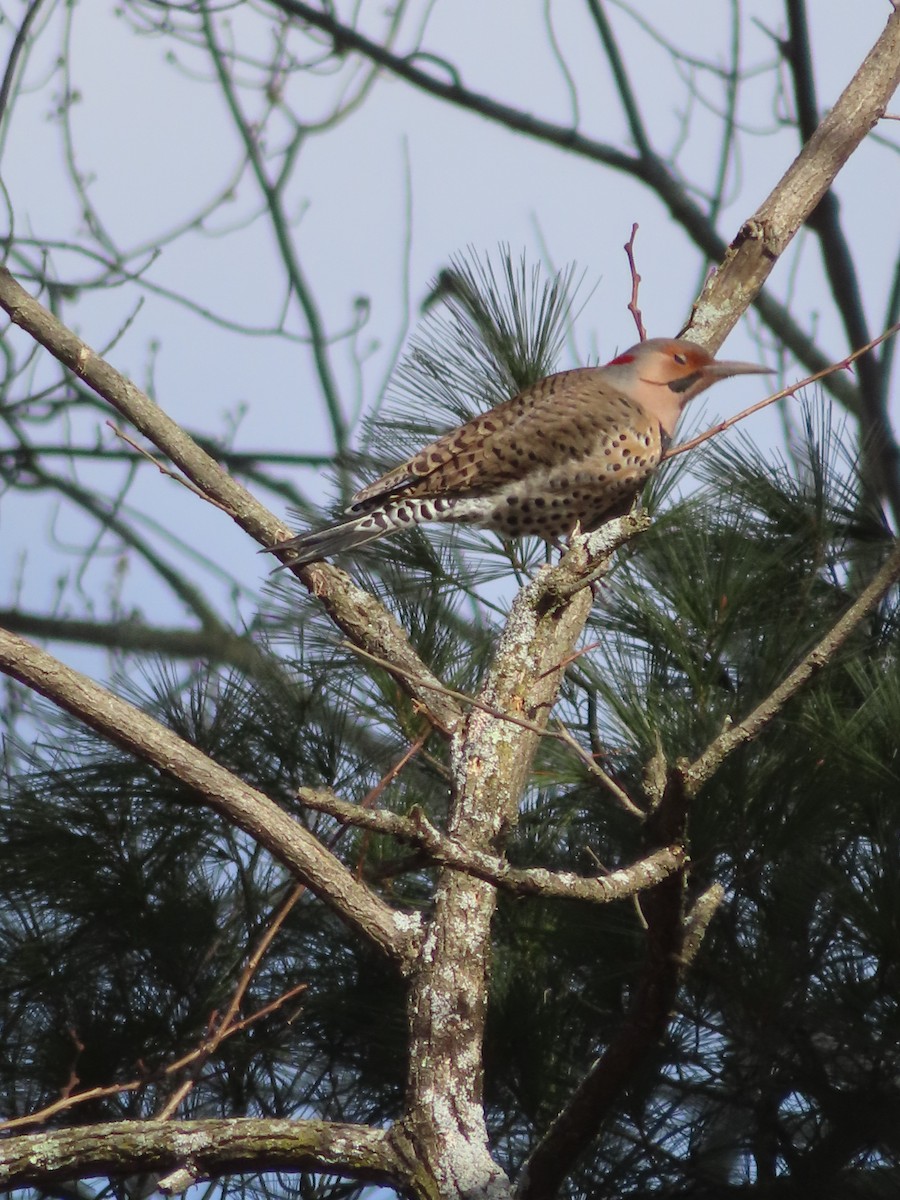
{"type": "Point", "coordinates": [229, 1022]}
{"type": "Point", "coordinates": [824, 219]}
{"type": "Point", "coordinates": [629, 100]}
{"type": "Point", "coordinates": [199, 1054]}
{"type": "Point", "coordinates": [218, 645]}
{"type": "Point", "coordinates": [272, 194]}
{"type": "Point", "coordinates": [649, 168]}
{"type": "Point", "coordinates": [19, 43]}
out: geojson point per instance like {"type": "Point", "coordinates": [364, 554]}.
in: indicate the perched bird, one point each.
{"type": "Point", "coordinates": [574, 448]}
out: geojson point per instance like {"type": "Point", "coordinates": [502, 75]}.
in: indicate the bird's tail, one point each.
{"type": "Point", "coordinates": [316, 545]}
{"type": "Point", "coordinates": [347, 535]}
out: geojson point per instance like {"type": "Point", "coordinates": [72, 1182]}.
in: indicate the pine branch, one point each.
{"type": "Point", "coordinates": [697, 773]}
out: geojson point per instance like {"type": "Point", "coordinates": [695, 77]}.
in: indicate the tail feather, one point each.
{"type": "Point", "coordinates": [381, 522]}
{"type": "Point", "coordinates": [346, 535]}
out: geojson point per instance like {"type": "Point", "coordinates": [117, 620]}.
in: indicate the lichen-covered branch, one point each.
{"type": "Point", "coordinates": [200, 1150]}
{"type": "Point", "coordinates": [764, 237]}
{"type": "Point", "coordinates": [524, 881]}
{"type": "Point", "coordinates": [801, 195]}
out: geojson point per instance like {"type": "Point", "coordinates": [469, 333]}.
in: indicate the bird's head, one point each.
{"type": "Point", "coordinates": [663, 374]}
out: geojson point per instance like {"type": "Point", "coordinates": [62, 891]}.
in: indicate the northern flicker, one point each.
{"type": "Point", "coordinates": [574, 448]}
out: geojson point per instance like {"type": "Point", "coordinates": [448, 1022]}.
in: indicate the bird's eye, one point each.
{"type": "Point", "coordinates": [681, 359]}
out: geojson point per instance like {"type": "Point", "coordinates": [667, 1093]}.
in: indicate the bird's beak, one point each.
{"type": "Point", "coordinates": [723, 369]}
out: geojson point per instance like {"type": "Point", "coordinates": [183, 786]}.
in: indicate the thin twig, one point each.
{"type": "Point", "coordinates": [116, 1089]}
{"type": "Point", "coordinates": [570, 658]}
{"type": "Point", "coordinates": [164, 470]}
{"type": "Point", "coordinates": [451, 693]}
{"type": "Point", "coordinates": [15, 53]}
{"type": "Point", "coordinates": [368, 801]}
{"type": "Point", "coordinates": [621, 796]}
{"type": "Point", "coordinates": [842, 365]}
{"type": "Point", "coordinates": [635, 285]}
{"type": "Point", "coordinates": [223, 1028]}
{"type": "Point", "coordinates": [562, 735]}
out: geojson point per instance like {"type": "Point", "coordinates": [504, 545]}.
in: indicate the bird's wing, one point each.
{"type": "Point", "coordinates": [559, 419]}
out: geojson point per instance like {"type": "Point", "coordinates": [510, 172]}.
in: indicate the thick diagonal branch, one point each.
{"type": "Point", "coordinates": [879, 450]}
{"type": "Point", "coordinates": [765, 236]}
{"type": "Point", "coordinates": [797, 198]}
{"type": "Point", "coordinates": [366, 622]}
{"type": "Point", "coordinates": [225, 793]}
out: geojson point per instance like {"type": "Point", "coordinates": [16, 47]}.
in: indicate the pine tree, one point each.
{"type": "Point", "coordinates": [718, 1018]}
